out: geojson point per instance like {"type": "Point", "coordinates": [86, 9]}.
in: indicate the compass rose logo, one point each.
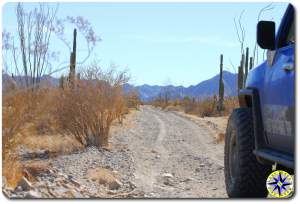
{"type": "Point", "coordinates": [280, 184]}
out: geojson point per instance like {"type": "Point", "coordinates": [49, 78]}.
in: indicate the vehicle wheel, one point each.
{"type": "Point", "coordinates": [244, 175]}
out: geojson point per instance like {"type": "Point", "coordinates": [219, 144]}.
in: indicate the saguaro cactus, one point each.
{"type": "Point", "coordinates": [241, 73]}
{"type": "Point", "coordinates": [251, 63]}
{"type": "Point", "coordinates": [61, 82]}
{"type": "Point", "coordinates": [246, 66]}
{"type": "Point", "coordinates": [73, 61]}
{"type": "Point", "coordinates": [240, 78]}
{"type": "Point", "coordinates": [221, 86]}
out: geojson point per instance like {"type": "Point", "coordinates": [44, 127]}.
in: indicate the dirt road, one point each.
{"type": "Point", "coordinates": [154, 154]}
{"type": "Point", "coordinates": [173, 156]}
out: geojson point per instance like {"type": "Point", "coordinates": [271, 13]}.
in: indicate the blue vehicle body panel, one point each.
{"type": "Point", "coordinates": [278, 101]}
{"type": "Point", "coordinates": [276, 87]}
{"type": "Point", "coordinates": [281, 81]}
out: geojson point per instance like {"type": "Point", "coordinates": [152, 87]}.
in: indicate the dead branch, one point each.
{"type": "Point", "coordinates": [268, 7]}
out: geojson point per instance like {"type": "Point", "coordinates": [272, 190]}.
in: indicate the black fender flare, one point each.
{"type": "Point", "coordinates": [249, 98]}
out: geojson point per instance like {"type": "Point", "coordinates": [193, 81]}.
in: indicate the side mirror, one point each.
{"type": "Point", "coordinates": [265, 35]}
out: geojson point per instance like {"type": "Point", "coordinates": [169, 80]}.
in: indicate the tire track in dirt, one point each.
{"type": "Point", "coordinates": [205, 139]}
{"type": "Point", "coordinates": [167, 144]}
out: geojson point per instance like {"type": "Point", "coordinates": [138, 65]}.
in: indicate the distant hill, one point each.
{"type": "Point", "coordinates": [204, 89]}
{"type": "Point", "coordinates": [20, 81]}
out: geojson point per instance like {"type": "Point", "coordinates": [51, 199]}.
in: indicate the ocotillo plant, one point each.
{"type": "Point", "coordinates": [221, 86]}
{"type": "Point", "coordinates": [73, 61]}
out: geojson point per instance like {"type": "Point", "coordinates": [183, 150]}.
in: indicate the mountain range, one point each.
{"type": "Point", "coordinates": [147, 92]}
{"type": "Point", "coordinates": [201, 90]}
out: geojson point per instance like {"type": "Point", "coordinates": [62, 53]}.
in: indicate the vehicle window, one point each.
{"type": "Point", "coordinates": [287, 29]}
{"type": "Point", "coordinates": [291, 35]}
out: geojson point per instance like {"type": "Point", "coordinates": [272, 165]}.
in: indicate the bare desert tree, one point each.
{"type": "Point", "coordinates": [240, 31]}
{"type": "Point", "coordinates": [268, 7]}
{"type": "Point", "coordinates": [6, 46]}
{"type": "Point", "coordinates": [29, 53]}
{"type": "Point", "coordinates": [33, 38]}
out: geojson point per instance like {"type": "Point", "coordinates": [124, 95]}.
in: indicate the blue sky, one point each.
{"type": "Point", "coordinates": [160, 43]}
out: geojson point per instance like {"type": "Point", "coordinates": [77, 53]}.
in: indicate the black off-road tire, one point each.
{"type": "Point", "coordinates": [245, 177]}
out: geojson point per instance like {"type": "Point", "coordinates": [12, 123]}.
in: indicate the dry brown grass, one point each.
{"type": "Point", "coordinates": [56, 144]}
{"type": "Point", "coordinates": [27, 113]}
{"type": "Point", "coordinates": [202, 108]}
{"type": "Point", "coordinates": [61, 120]}
{"type": "Point", "coordinates": [12, 170]}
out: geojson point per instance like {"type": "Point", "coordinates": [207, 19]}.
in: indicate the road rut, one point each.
{"type": "Point", "coordinates": [173, 157]}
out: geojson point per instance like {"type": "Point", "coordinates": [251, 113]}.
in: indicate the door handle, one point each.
{"type": "Point", "coordinates": [289, 67]}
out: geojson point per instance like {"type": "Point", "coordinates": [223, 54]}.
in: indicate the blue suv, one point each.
{"type": "Point", "coordinates": [261, 132]}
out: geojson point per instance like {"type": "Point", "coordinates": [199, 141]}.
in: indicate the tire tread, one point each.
{"type": "Point", "coordinates": [251, 175]}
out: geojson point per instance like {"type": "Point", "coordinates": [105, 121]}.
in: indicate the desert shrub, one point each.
{"type": "Point", "coordinates": [155, 103]}
{"type": "Point", "coordinates": [121, 109]}
{"type": "Point", "coordinates": [44, 121]}
{"type": "Point", "coordinates": [19, 109]}
{"type": "Point", "coordinates": [161, 101]}
{"type": "Point", "coordinates": [173, 108]}
{"type": "Point", "coordinates": [203, 107]}
{"type": "Point", "coordinates": [230, 103]}
{"type": "Point", "coordinates": [133, 100]}
{"type": "Point", "coordinates": [176, 102]}
{"type": "Point", "coordinates": [88, 110]}
{"type": "Point", "coordinates": [207, 107]}
{"type": "Point", "coordinates": [26, 113]}
{"type": "Point", "coordinates": [187, 104]}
